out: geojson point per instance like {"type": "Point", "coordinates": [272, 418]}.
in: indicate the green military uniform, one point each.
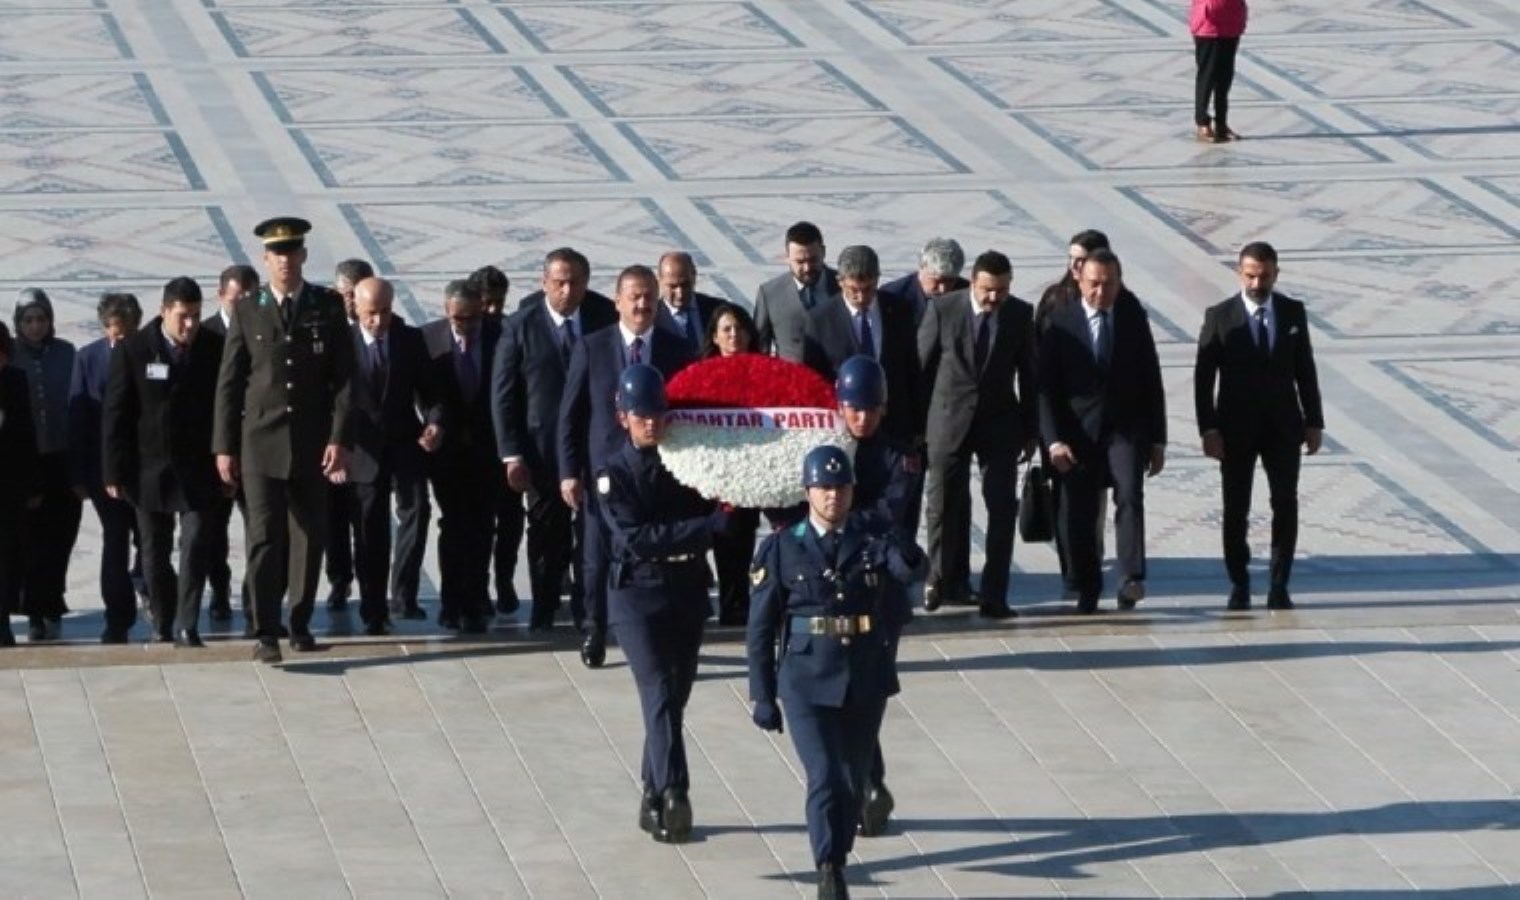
{"type": "Point", "coordinates": [282, 397]}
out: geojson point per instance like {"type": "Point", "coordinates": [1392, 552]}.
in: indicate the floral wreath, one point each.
{"type": "Point", "coordinates": [739, 427]}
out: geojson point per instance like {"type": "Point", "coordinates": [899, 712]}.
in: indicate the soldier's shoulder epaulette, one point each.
{"type": "Point", "coordinates": [800, 529]}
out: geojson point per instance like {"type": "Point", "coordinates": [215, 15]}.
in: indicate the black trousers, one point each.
{"type": "Point", "coordinates": [216, 520]}
{"type": "Point", "coordinates": [1281, 458]}
{"type": "Point", "coordinates": [413, 513]}
{"type": "Point", "coordinates": [466, 509]}
{"type": "Point", "coordinates": [47, 542]}
{"type": "Point", "coordinates": [948, 512]}
{"type": "Point", "coordinates": [733, 554]}
{"type": "Point", "coordinates": [1079, 515]}
{"type": "Point", "coordinates": [662, 653]}
{"type": "Point", "coordinates": [1216, 72]}
{"type": "Point", "coordinates": [342, 528]}
{"type": "Point", "coordinates": [511, 520]}
{"type": "Point", "coordinates": [287, 527]}
{"type": "Point", "coordinates": [12, 522]}
{"type": "Point", "coordinates": [552, 550]}
{"type": "Point", "coordinates": [175, 598]}
{"type": "Point", "coordinates": [372, 545]}
{"type": "Point", "coordinates": [119, 530]}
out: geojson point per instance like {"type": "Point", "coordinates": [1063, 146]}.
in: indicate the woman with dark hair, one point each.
{"type": "Point", "coordinates": [119, 316]}
{"type": "Point", "coordinates": [731, 331]}
{"type": "Point", "coordinates": [18, 460]}
{"type": "Point", "coordinates": [51, 527]}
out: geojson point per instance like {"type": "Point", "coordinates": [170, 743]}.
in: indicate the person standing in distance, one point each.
{"type": "Point", "coordinates": [1254, 349]}
{"type": "Point", "coordinates": [821, 592]}
{"type": "Point", "coordinates": [281, 429]}
{"type": "Point", "coordinates": [1216, 26]}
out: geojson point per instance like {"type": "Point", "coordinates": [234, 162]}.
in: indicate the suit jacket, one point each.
{"type": "Point", "coordinates": [589, 433]}
{"type": "Point", "coordinates": [215, 325]}
{"type": "Point", "coordinates": [469, 430]}
{"type": "Point", "coordinates": [528, 384]}
{"type": "Point", "coordinates": [959, 398]}
{"type": "Point", "coordinates": [157, 422]}
{"type": "Point", "coordinates": [830, 340]}
{"type": "Point", "coordinates": [779, 317]}
{"type": "Point", "coordinates": [536, 298]}
{"type": "Point", "coordinates": [86, 394]}
{"type": "Point", "coordinates": [386, 425]}
{"type": "Point", "coordinates": [1279, 394]}
{"type": "Point", "coordinates": [908, 290]}
{"type": "Point", "coordinates": [1086, 408]}
{"type": "Point", "coordinates": [18, 441]}
{"type": "Point", "coordinates": [282, 395]}
{"type": "Point", "coordinates": [706, 305]}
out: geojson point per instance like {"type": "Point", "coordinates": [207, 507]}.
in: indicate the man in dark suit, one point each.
{"type": "Point", "coordinates": [565, 269]}
{"type": "Point", "coordinates": [235, 283]}
{"type": "Point", "coordinates": [159, 406]}
{"type": "Point", "coordinates": [281, 430]}
{"type": "Point", "coordinates": [392, 383]}
{"type": "Point", "coordinates": [1255, 348]}
{"type": "Point", "coordinates": [783, 303]}
{"type": "Point", "coordinates": [1103, 420]}
{"type": "Point", "coordinates": [683, 309]}
{"type": "Point", "coordinates": [527, 386]}
{"type": "Point", "coordinates": [461, 347]}
{"type": "Point", "coordinates": [976, 350]}
{"type": "Point", "coordinates": [493, 285]}
{"type": "Point", "coordinates": [589, 432]}
{"type": "Point", "coordinates": [859, 321]}
{"type": "Point", "coordinates": [343, 510]}
{"type": "Point", "coordinates": [939, 272]}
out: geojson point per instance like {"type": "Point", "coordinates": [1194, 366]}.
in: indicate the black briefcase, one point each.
{"type": "Point", "coordinates": [1037, 508]}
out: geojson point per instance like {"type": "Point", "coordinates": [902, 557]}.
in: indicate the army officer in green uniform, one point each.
{"type": "Point", "coordinates": [281, 429]}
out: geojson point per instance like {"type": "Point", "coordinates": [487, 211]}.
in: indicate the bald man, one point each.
{"type": "Point", "coordinates": [390, 445]}
{"type": "Point", "coordinates": [682, 308]}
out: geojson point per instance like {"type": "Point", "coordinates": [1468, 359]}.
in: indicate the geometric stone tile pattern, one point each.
{"type": "Point", "coordinates": [1362, 745]}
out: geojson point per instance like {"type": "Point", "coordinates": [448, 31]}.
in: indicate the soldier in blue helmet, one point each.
{"type": "Point", "coordinates": [822, 591]}
{"type": "Point", "coordinates": [885, 472]}
{"type": "Point", "coordinates": [660, 532]}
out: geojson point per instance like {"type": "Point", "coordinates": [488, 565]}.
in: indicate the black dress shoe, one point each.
{"type": "Point", "coordinates": [1131, 593]}
{"type": "Point", "coordinates": [1240, 599]}
{"type": "Point", "coordinates": [990, 610]}
{"type": "Point", "coordinates": [473, 623]}
{"type": "Point", "coordinates": [337, 599]}
{"type": "Point", "coordinates": [189, 638]}
{"type": "Point", "coordinates": [220, 610]}
{"type": "Point", "coordinates": [414, 612]}
{"type": "Point", "coordinates": [266, 651]}
{"type": "Point", "coordinates": [594, 650]}
{"type": "Point", "coordinates": [162, 637]}
{"type": "Point", "coordinates": [36, 631]}
{"type": "Point", "coordinates": [675, 817]}
{"type": "Point", "coordinates": [1086, 606]}
{"type": "Point", "coordinates": [378, 628]}
{"type": "Point", "coordinates": [114, 636]}
{"type": "Point", "coordinates": [303, 642]}
{"type": "Point", "coordinates": [1277, 598]}
{"type": "Point", "coordinates": [933, 597]}
{"type": "Point", "coordinates": [875, 811]}
{"type": "Point", "coordinates": [449, 620]}
{"type": "Point", "coordinates": [649, 812]}
{"type": "Point", "coordinates": [507, 605]}
{"type": "Point", "coordinates": [831, 883]}
{"type": "Point", "coordinates": [7, 637]}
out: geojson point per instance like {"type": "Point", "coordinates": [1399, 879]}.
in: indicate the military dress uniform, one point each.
{"type": "Point", "coordinates": [282, 397]}
{"type": "Point", "coordinates": [825, 599]}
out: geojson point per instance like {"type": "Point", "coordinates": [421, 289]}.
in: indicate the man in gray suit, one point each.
{"type": "Point", "coordinates": [782, 304]}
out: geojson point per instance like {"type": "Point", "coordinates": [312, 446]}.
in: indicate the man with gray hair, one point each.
{"type": "Point", "coordinates": [859, 321]}
{"type": "Point", "coordinates": [939, 272]}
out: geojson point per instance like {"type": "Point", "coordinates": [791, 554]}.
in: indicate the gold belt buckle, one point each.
{"type": "Point", "coordinates": [818, 625]}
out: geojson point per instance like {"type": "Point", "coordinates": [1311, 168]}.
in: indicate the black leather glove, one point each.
{"type": "Point", "coordinates": [767, 716]}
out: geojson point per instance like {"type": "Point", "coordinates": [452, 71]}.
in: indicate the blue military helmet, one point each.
{"type": "Point", "coordinates": [641, 391]}
{"type": "Point", "coordinates": [827, 466]}
{"type": "Point", "coordinates": [862, 383]}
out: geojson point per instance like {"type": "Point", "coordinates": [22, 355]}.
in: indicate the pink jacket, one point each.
{"type": "Point", "coordinates": [1217, 18]}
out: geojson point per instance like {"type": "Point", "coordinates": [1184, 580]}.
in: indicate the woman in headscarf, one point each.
{"type": "Point", "coordinates": [52, 527]}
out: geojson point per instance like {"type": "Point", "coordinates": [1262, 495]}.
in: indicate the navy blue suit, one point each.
{"type": "Point", "coordinates": [118, 520]}
{"type": "Point", "coordinates": [835, 689]}
{"type": "Point", "coordinates": [589, 434]}
{"type": "Point", "coordinates": [659, 532]}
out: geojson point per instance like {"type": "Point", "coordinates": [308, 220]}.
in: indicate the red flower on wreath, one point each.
{"type": "Point", "coordinates": [749, 380]}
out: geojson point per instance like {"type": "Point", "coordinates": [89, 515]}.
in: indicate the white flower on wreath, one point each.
{"type": "Point", "coordinates": [751, 467]}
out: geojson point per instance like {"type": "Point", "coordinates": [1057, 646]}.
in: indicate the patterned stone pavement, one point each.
{"type": "Point", "coordinates": [1362, 746]}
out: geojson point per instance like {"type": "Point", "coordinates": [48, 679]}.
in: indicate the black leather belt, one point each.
{"type": "Point", "coordinates": [833, 626]}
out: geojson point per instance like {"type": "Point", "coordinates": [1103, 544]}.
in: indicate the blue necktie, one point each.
{"type": "Point", "coordinates": [1102, 341]}
{"type": "Point", "coordinates": [867, 339]}
{"type": "Point", "coordinates": [636, 352]}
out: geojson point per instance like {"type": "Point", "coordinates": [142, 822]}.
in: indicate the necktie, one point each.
{"type": "Point", "coordinates": [286, 305]}
{"type": "Point", "coordinates": [464, 368]}
{"type": "Point", "coordinates": [636, 352]}
{"type": "Point", "coordinates": [828, 542]}
{"type": "Point", "coordinates": [691, 328]}
{"type": "Point", "coordinates": [867, 340]}
{"type": "Point", "coordinates": [983, 338]}
{"type": "Point", "coordinates": [805, 294]}
{"type": "Point", "coordinates": [377, 371]}
{"type": "Point", "coordinates": [1102, 340]}
{"type": "Point", "coordinates": [1263, 339]}
{"type": "Point", "coordinates": [177, 354]}
{"type": "Point", "coordinates": [567, 339]}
